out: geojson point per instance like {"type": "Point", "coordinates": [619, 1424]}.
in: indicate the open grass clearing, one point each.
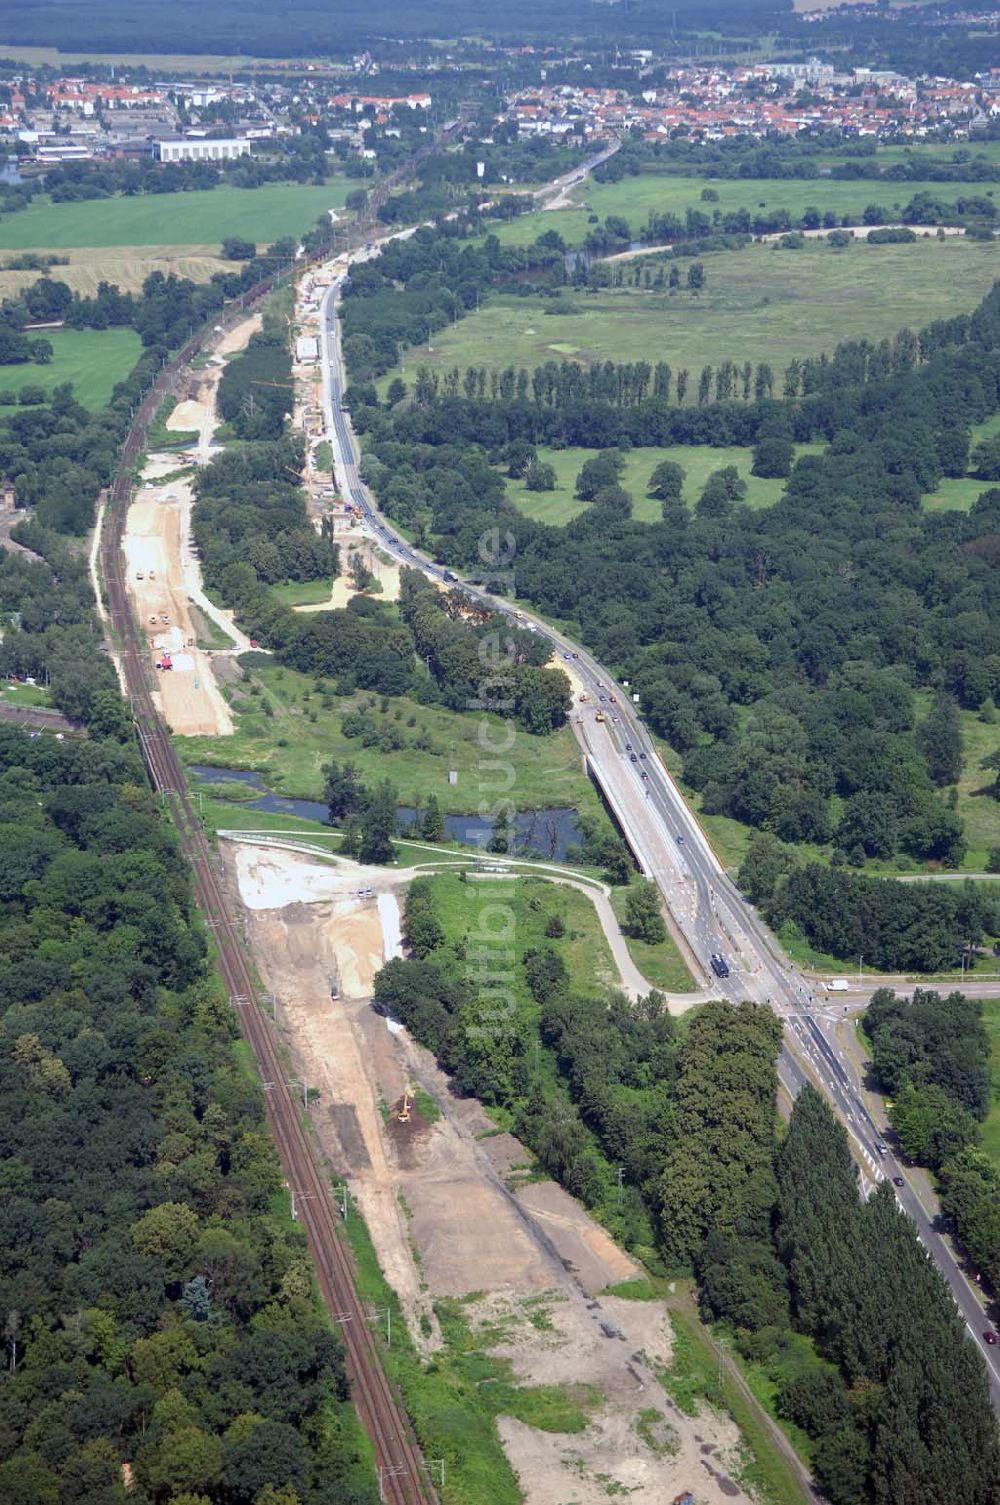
{"type": "Point", "coordinates": [26, 695]}
{"type": "Point", "coordinates": [697, 460]}
{"type": "Point", "coordinates": [201, 217]}
{"type": "Point", "coordinates": [94, 360]}
{"type": "Point", "coordinates": [960, 493]}
{"type": "Point", "coordinates": [662, 964]}
{"type": "Point", "coordinates": [287, 730]}
{"type": "Point", "coordinates": [759, 303]}
{"type": "Point", "coordinates": [979, 811]}
{"type": "Point", "coordinates": [991, 1128]}
{"type": "Point", "coordinates": [157, 62]}
{"type": "Point", "coordinates": [532, 903]}
{"type": "Point", "coordinates": [302, 592]}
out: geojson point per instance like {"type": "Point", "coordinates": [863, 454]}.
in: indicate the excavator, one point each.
{"type": "Point", "coordinates": [403, 1113]}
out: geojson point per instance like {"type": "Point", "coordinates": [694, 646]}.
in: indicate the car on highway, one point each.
{"type": "Point", "coordinates": [679, 839]}
{"type": "Point", "coordinates": [633, 758]}
{"type": "Point", "coordinates": [898, 1181]}
{"type": "Point", "coordinates": [642, 755]}
{"type": "Point", "coordinates": [719, 964]}
{"type": "Point", "coordinates": [628, 747]}
{"type": "Point", "coordinates": [989, 1336]}
{"type": "Point", "coordinates": [882, 1147]}
{"type": "Point", "coordinates": [450, 575]}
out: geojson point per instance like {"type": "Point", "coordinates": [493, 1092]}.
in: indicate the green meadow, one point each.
{"type": "Point", "coordinates": [202, 217]}
{"type": "Point", "coordinates": [94, 360]}
{"type": "Point", "coordinates": [761, 303]}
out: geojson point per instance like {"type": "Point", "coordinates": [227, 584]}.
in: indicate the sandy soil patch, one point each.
{"type": "Point", "coordinates": [187, 415]}
{"type": "Point", "coordinates": [238, 337]}
{"type": "Point", "coordinates": [157, 547]}
{"type": "Point", "coordinates": [190, 699]}
{"type": "Point", "coordinates": [617, 1347]}
{"type": "Point", "coordinates": [301, 949]}
{"type": "Point", "coordinates": [158, 466]}
{"type": "Point", "coordinates": [270, 878]}
{"type": "Point", "coordinates": [587, 1251]}
{"type": "Point", "coordinates": [385, 570]}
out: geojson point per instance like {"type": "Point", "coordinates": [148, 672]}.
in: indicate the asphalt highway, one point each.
{"type": "Point", "coordinates": [674, 852]}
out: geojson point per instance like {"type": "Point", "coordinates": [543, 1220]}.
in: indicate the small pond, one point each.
{"type": "Point", "coordinates": [549, 832]}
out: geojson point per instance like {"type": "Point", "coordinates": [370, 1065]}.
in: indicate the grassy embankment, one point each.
{"type": "Point", "coordinates": [583, 948]}
{"type": "Point", "coordinates": [94, 360]}
{"type": "Point", "coordinates": [761, 302]}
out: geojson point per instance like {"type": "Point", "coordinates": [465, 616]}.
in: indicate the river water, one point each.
{"type": "Point", "coordinates": [548, 832]}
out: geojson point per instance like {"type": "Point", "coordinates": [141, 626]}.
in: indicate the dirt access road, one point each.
{"type": "Point", "coordinates": [451, 1210]}
{"type": "Point", "coordinates": [164, 577]}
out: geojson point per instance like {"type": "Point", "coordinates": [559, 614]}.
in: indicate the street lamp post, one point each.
{"type": "Point", "coordinates": [861, 975]}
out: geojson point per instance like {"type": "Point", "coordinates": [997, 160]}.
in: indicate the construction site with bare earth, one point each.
{"type": "Point", "coordinates": [459, 1218]}
{"type": "Point", "coordinates": [455, 1210]}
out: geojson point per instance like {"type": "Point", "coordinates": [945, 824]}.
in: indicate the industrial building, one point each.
{"type": "Point", "coordinates": [207, 149]}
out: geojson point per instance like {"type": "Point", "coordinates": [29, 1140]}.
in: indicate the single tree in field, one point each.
{"type": "Point", "coordinates": [939, 737]}
{"type": "Point", "coordinates": [667, 481]}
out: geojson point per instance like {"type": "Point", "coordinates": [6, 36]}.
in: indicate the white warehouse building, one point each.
{"type": "Point", "coordinates": [208, 149]}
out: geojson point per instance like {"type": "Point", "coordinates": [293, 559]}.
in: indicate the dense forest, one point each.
{"type": "Point", "coordinates": [832, 1294]}
{"type": "Point", "coordinates": [306, 28]}
{"type": "Point", "coordinates": [162, 1334]}
{"type": "Point", "coordinates": [931, 1056]}
{"type": "Point", "coordinates": [777, 650]}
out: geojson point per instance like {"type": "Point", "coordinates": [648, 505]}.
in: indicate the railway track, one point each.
{"type": "Point", "coordinates": [403, 1476]}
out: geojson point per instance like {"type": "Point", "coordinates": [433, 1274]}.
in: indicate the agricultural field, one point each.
{"type": "Point", "coordinates": [94, 360]}
{"type": "Point", "coordinates": [199, 218]}
{"type": "Point", "coordinates": [126, 267]}
{"type": "Point", "coordinates": [658, 193]}
{"type": "Point", "coordinates": [697, 460]}
{"type": "Point", "coordinates": [287, 730]}
{"type": "Point", "coordinates": [761, 302]}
